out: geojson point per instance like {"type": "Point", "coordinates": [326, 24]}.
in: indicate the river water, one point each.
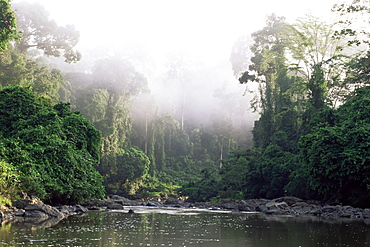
{"type": "Point", "coordinates": [186, 227]}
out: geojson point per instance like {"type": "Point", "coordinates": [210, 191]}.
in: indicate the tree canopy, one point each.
{"type": "Point", "coordinates": [41, 33]}
{"type": "Point", "coordinates": [54, 150]}
{"type": "Point", "coordinates": [8, 25]}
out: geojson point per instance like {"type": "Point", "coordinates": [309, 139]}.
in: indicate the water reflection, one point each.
{"type": "Point", "coordinates": [177, 227]}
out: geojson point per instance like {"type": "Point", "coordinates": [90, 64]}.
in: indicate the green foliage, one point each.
{"type": "Point", "coordinates": [133, 168]}
{"type": "Point", "coordinates": [54, 149]}
{"type": "Point", "coordinates": [256, 175]}
{"type": "Point", "coordinates": [359, 70]}
{"type": "Point", "coordinates": [18, 70]}
{"type": "Point", "coordinates": [204, 189]}
{"type": "Point", "coordinates": [305, 148]}
{"type": "Point", "coordinates": [8, 25]}
{"type": "Point", "coordinates": [5, 201]}
{"type": "Point", "coordinates": [337, 156]}
{"type": "Point", "coordinates": [9, 180]}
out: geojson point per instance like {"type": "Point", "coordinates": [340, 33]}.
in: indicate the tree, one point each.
{"type": "Point", "coordinates": [39, 32]}
{"type": "Point", "coordinates": [53, 149]}
{"type": "Point", "coordinates": [337, 155]}
{"type": "Point", "coordinates": [8, 25]}
{"type": "Point", "coordinates": [18, 70]}
{"type": "Point", "coordinates": [117, 83]}
{"type": "Point", "coordinates": [355, 20]}
{"type": "Point", "coordinates": [276, 86]}
{"type": "Point", "coordinates": [133, 168]}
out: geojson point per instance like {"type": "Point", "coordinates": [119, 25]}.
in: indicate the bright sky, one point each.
{"type": "Point", "coordinates": [208, 28]}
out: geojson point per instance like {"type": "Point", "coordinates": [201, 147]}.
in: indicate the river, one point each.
{"type": "Point", "coordinates": [186, 227]}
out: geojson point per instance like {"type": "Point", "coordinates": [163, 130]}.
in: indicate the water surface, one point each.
{"type": "Point", "coordinates": [190, 227]}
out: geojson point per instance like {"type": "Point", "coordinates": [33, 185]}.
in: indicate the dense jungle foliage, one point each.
{"type": "Point", "coordinates": [312, 138]}
{"type": "Point", "coordinates": [107, 136]}
{"type": "Point", "coordinates": [46, 150]}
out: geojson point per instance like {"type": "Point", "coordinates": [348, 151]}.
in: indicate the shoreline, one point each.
{"type": "Point", "coordinates": [40, 215]}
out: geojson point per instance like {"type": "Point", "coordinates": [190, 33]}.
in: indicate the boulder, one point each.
{"type": "Point", "coordinates": [80, 209]}
{"type": "Point", "coordinates": [257, 204]}
{"type": "Point", "coordinates": [289, 200]}
{"type": "Point", "coordinates": [173, 201]}
{"type": "Point", "coordinates": [41, 210]}
{"type": "Point", "coordinates": [244, 206]}
{"type": "Point", "coordinates": [96, 203]}
{"type": "Point", "coordinates": [21, 203]}
{"type": "Point", "coordinates": [153, 203]}
{"type": "Point", "coordinates": [72, 209]}
{"type": "Point", "coordinates": [261, 208]}
{"type": "Point", "coordinates": [229, 204]}
{"type": "Point", "coordinates": [123, 201]}
{"type": "Point", "coordinates": [20, 212]}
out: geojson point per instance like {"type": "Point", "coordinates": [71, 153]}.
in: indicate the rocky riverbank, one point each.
{"type": "Point", "coordinates": [36, 212]}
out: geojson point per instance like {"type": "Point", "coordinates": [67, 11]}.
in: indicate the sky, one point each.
{"type": "Point", "coordinates": [202, 27]}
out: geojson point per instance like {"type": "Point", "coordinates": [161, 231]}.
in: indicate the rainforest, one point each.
{"type": "Point", "coordinates": [77, 125]}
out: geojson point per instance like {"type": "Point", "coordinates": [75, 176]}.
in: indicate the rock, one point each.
{"type": "Point", "coordinates": [131, 211]}
{"type": "Point", "coordinates": [72, 209]}
{"type": "Point", "coordinates": [173, 201]}
{"type": "Point", "coordinates": [80, 209]}
{"type": "Point", "coordinates": [257, 204]}
{"type": "Point", "coordinates": [114, 206]}
{"type": "Point", "coordinates": [119, 198]}
{"type": "Point", "coordinates": [289, 200]}
{"type": "Point", "coordinates": [261, 208]}
{"type": "Point", "coordinates": [329, 209]}
{"type": "Point", "coordinates": [366, 213]}
{"type": "Point", "coordinates": [94, 203]}
{"type": "Point", "coordinates": [153, 203]}
{"type": "Point", "coordinates": [276, 205]}
{"type": "Point", "coordinates": [35, 214]}
{"type": "Point", "coordinates": [40, 209]}
{"type": "Point", "coordinates": [94, 208]}
{"type": "Point", "coordinates": [20, 212]}
{"type": "Point", "coordinates": [229, 204]}
{"type": "Point", "coordinates": [123, 201]}
{"type": "Point", "coordinates": [244, 206]}
{"type": "Point", "coordinates": [272, 211]}
{"type": "Point", "coordinates": [21, 203]}
{"type": "Point", "coordinates": [315, 211]}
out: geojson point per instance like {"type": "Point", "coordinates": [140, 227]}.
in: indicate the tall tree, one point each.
{"type": "Point", "coordinates": [117, 83]}
{"type": "Point", "coordinates": [39, 32]}
{"type": "Point", "coordinates": [269, 69]}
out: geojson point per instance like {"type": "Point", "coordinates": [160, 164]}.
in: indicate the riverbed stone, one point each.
{"type": "Point", "coordinates": [244, 206]}
{"type": "Point", "coordinates": [173, 201]}
{"type": "Point", "coordinates": [20, 212]}
{"type": "Point", "coordinates": [152, 203]}
{"type": "Point", "coordinates": [21, 203]}
{"type": "Point", "coordinates": [228, 204]}
{"type": "Point", "coordinates": [289, 200]}
{"type": "Point", "coordinates": [39, 209]}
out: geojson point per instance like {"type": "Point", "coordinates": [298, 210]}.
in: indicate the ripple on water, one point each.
{"type": "Point", "coordinates": [180, 227]}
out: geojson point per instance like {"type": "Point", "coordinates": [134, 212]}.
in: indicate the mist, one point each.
{"type": "Point", "coordinates": [181, 48]}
